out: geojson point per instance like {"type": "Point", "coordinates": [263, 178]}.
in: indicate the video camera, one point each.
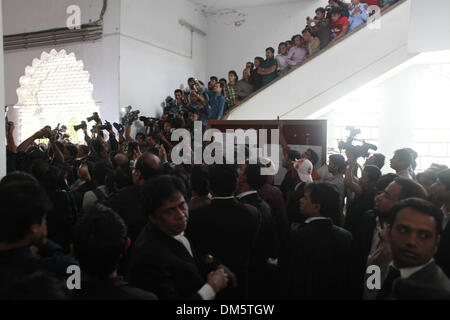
{"type": "Point", "coordinates": [148, 121]}
{"type": "Point", "coordinates": [359, 151]}
{"type": "Point", "coordinates": [130, 116]}
{"type": "Point", "coordinates": [83, 125]}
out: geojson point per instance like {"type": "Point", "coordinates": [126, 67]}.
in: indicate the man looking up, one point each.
{"type": "Point", "coordinates": [297, 53]}
{"type": "Point", "coordinates": [401, 163]}
{"type": "Point", "coordinates": [268, 69]}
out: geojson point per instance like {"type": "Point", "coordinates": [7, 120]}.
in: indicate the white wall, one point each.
{"type": "Point", "coordinates": [429, 25]}
{"type": "Point", "coordinates": [101, 58]}
{"type": "Point", "coordinates": [155, 51]}
{"type": "Point", "coordinates": [237, 36]}
{"type": "Point", "coordinates": [348, 65]}
{"type": "Point", "coordinates": [406, 108]}
{"type": "Point", "coordinates": [2, 110]}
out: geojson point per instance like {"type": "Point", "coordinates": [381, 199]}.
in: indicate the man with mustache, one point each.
{"type": "Point", "coordinates": [163, 259]}
{"type": "Point", "coordinates": [414, 233]}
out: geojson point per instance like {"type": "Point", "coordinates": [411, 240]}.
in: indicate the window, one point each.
{"type": "Point", "coordinates": [55, 89]}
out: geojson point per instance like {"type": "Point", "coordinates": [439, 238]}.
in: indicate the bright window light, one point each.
{"type": "Point", "coordinates": [55, 89]}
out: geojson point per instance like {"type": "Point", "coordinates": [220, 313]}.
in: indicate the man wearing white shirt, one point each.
{"type": "Point", "coordinates": [414, 234]}
{"type": "Point", "coordinates": [163, 260]}
{"type": "Point", "coordinates": [282, 58]}
{"type": "Point", "coordinates": [402, 163]}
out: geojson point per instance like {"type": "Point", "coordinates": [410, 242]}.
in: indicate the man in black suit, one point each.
{"type": "Point", "coordinates": [441, 192]}
{"type": "Point", "coordinates": [128, 202]}
{"type": "Point", "coordinates": [226, 229]}
{"type": "Point", "coordinates": [100, 239]}
{"type": "Point", "coordinates": [163, 260]}
{"type": "Point", "coordinates": [415, 226]}
{"type": "Point", "coordinates": [267, 243]}
{"type": "Point", "coordinates": [373, 224]}
{"type": "Point", "coordinates": [322, 261]}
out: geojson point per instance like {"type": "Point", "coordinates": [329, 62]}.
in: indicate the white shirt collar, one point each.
{"type": "Point", "coordinates": [243, 194]}
{"type": "Point", "coordinates": [408, 272]}
{"type": "Point", "coordinates": [311, 219]}
{"type": "Point", "coordinates": [222, 198]}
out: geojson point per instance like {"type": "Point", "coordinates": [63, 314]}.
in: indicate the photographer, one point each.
{"type": "Point", "coordinates": [321, 26]}
{"type": "Point", "coordinates": [179, 99]}
{"type": "Point", "coordinates": [342, 6]}
{"type": "Point", "coordinates": [358, 15]}
{"type": "Point", "coordinates": [198, 105]}
{"type": "Point", "coordinates": [363, 190]}
{"type": "Point", "coordinates": [166, 135]}
{"type": "Point", "coordinates": [11, 147]}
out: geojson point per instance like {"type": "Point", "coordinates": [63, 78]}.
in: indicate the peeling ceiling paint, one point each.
{"type": "Point", "coordinates": [213, 6]}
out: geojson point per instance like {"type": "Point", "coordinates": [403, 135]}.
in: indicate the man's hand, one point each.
{"type": "Point", "coordinates": [229, 274]}
{"type": "Point", "coordinates": [136, 153]}
{"type": "Point", "coordinates": [52, 137]}
{"type": "Point", "coordinates": [218, 280]}
{"type": "Point", "coordinates": [163, 154]}
{"type": "Point", "coordinates": [12, 126]}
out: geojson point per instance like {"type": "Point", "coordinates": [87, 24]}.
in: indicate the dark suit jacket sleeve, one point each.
{"type": "Point", "coordinates": [158, 279]}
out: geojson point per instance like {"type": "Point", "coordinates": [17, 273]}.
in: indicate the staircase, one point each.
{"type": "Point", "coordinates": [353, 61]}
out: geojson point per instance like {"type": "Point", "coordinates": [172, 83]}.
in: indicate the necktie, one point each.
{"type": "Point", "coordinates": [386, 288]}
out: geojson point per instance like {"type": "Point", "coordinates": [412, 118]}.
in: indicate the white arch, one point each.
{"type": "Point", "coordinates": [55, 89]}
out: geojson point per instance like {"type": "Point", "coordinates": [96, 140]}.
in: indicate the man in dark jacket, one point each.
{"type": "Point", "coordinates": [267, 244]}
{"type": "Point", "coordinates": [415, 226]}
{"type": "Point", "coordinates": [100, 239]}
{"type": "Point", "coordinates": [226, 229]}
{"type": "Point", "coordinates": [163, 260]}
{"type": "Point", "coordinates": [323, 261]}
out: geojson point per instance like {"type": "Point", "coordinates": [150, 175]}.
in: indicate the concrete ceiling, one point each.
{"type": "Point", "coordinates": [216, 5]}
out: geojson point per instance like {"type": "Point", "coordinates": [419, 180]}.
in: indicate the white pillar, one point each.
{"type": "Point", "coordinates": [2, 104]}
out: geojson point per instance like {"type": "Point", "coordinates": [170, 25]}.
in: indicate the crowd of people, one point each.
{"type": "Point", "coordinates": [213, 100]}
{"type": "Point", "coordinates": [140, 227]}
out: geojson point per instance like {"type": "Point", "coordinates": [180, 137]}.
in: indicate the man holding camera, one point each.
{"type": "Point", "coordinates": [321, 26]}
{"type": "Point", "coordinates": [358, 15]}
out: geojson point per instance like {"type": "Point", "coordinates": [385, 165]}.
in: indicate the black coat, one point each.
{"type": "Point", "coordinates": [442, 256]}
{"type": "Point", "coordinates": [363, 231]}
{"type": "Point", "coordinates": [227, 230]}
{"type": "Point", "coordinates": [322, 263]}
{"type": "Point", "coordinates": [427, 283]}
{"type": "Point", "coordinates": [357, 208]}
{"type": "Point", "coordinates": [274, 198]}
{"type": "Point", "coordinates": [161, 264]}
{"type": "Point", "coordinates": [128, 203]}
{"type": "Point", "coordinates": [293, 204]}
{"type": "Point", "coordinates": [110, 289]}
{"type": "Point", "coordinates": [267, 246]}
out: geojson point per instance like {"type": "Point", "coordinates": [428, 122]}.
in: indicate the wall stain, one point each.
{"type": "Point", "coordinates": [237, 18]}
